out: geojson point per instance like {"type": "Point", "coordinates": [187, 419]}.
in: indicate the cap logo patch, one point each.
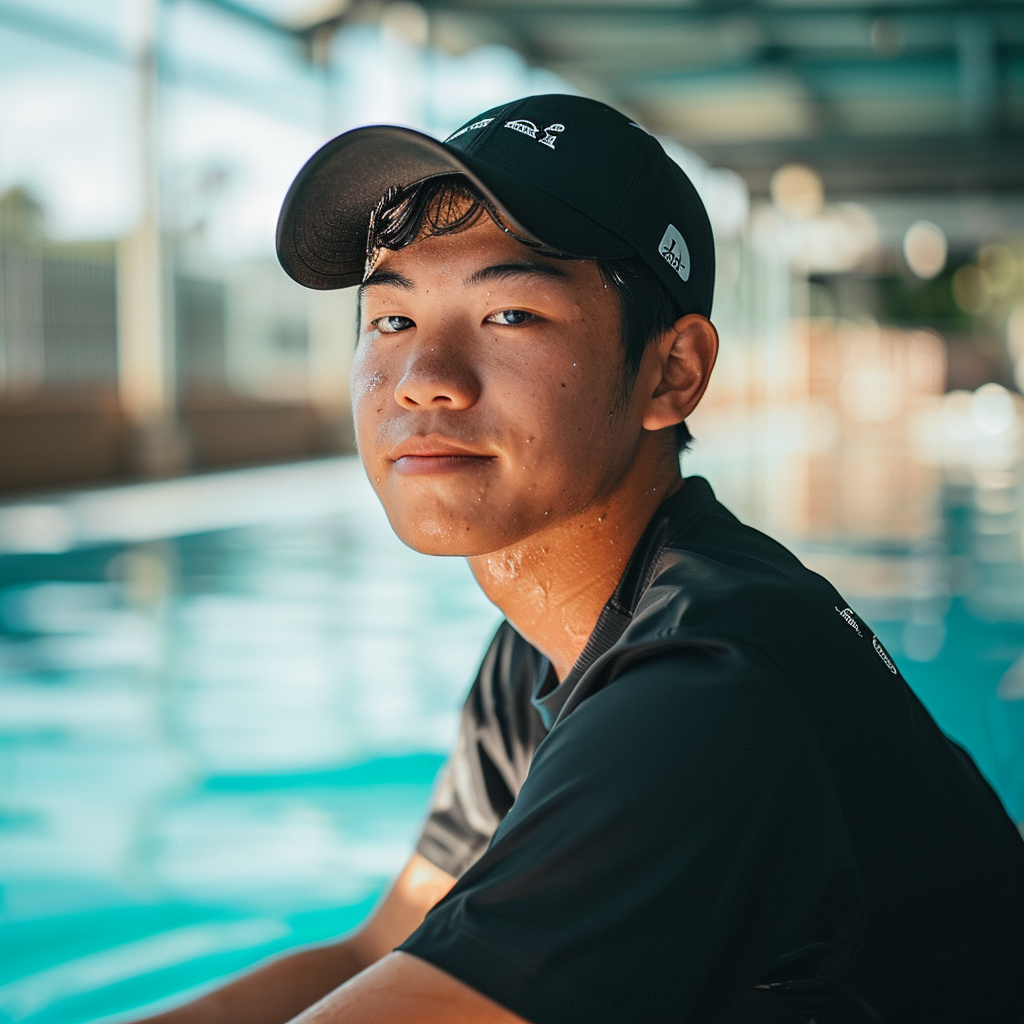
{"type": "Point", "coordinates": [674, 251]}
{"type": "Point", "coordinates": [483, 123]}
{"type": "Point", "coordinates": [529, 128]}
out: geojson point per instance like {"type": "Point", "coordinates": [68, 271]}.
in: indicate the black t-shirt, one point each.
{"type": "Point", "coordinates": [733, 809]}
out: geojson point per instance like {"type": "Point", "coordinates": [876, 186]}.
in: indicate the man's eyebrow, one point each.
{"type": "Point", "coordinates": [388, 277]}
{"type": "Point", "coordinates": [501, 271]}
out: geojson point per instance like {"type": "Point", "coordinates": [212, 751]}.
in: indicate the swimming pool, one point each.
{"type": "Point", "coordinates": [223, 702]}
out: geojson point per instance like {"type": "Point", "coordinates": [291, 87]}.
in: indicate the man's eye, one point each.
{"type": "Point", "coordinates": [510, 317]}
{"type": "Point", "coordinates": [392, 324]}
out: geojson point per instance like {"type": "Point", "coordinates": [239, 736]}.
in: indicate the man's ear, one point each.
{"type": "Point", "coordinates": [678, 365]}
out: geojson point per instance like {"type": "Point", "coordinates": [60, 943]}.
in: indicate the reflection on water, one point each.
{"type": "Point", "coordinates": [216, 741]}
{"type": "Point", "coordinates": [216, 745]}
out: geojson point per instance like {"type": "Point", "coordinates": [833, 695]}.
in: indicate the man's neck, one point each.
{"type": "Point", "coordinates": [553, 585]}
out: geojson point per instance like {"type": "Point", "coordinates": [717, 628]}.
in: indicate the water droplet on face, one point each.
{"type": "Point", "coordinates": [369, 385]}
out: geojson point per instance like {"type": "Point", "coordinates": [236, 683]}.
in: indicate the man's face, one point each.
{"type": "Point", "coordinates": [487, 391]}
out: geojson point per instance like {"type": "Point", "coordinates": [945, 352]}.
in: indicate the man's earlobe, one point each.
{"type": "Point", "coordinates": [684, 357]}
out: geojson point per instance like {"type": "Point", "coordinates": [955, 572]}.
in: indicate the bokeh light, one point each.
{"type": "Point", "coordinates": [797, 190]}
{"type": "Point", "coordinates": [925, 249]}
{"type": "Point", "coordinates": [969, 289]}
{"type": "Point", "coordinates": [998, 262]}
{"type": "Point", "coordinates": [993, 410]}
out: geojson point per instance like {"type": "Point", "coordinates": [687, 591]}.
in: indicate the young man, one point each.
{"type": "Point", "coordinates": [690, 784]}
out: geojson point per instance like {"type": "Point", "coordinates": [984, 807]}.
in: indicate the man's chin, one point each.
{"type": "Point", "coordinates": [437, 536]}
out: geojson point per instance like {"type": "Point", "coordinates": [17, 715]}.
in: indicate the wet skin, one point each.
{"type": "Point", "coordinates": [492, 422]}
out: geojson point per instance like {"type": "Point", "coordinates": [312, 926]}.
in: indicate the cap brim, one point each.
{"type": "Point", "coordinates": [322, 229]}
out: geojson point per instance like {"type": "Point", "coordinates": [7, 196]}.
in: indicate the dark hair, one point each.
{"type": "Point", "coordinates": [450, 202]}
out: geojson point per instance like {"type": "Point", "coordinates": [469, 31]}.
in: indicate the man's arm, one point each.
{"type": "Point", "coordinates": [284, 987]}
{"type": "Point", "coordinates": [402, 989]}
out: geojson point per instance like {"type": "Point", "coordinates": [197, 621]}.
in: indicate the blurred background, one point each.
{"type": "Point", "coordinates": [225, 688]}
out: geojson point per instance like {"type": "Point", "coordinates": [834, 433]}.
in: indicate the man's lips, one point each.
{"type": "Point", "coordinates": [411, 465]}
{"type": "Point", "coordinates": [425, 455]}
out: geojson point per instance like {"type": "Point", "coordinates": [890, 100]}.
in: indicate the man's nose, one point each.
{"type": "Point", "coordinates": [436, 376]}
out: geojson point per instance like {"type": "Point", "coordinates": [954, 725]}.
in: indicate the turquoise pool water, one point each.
{"type": "Point", "coordinates": [217, 740]}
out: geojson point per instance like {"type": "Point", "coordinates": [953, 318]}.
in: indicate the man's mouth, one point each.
{"type": "Point", "coordinates": [430, 455]}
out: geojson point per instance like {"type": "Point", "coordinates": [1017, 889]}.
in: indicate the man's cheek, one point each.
{"type": "Point", "coordinates": [368, 418]}
{"type": "Point", "coordinates": [369, 396]}
{"type": "Point", "coordinates": [368, 383]}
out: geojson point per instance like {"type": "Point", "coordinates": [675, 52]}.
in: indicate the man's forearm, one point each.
{"type": "Point", "coordinates": [283, 988]}
{"type": "Point", "coordinates": [275, 992]}
{"type": "Point", "coordinates": [402, 989]}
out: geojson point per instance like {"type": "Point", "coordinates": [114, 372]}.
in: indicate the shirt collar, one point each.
{"type": "Point", "coordinates": [669, 522]}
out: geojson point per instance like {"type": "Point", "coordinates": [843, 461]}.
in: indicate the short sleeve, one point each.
{"type": "Point", "coordinates": [676, 843]}
{"type": "Point", "coordinates": [499, 729]}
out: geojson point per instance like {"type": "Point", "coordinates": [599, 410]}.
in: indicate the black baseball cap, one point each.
{"type": "Point", "coordinates": [569, 172]}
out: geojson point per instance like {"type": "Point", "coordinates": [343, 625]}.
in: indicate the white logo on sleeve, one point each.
{"type": "Point", "coordinates": [849, 618]}
{"type": "Point", "coordinates": [529, 128]}
{"type": "Point", "coordinates": [674, 251]}
{"type": "Point", "coordinates": [884, 655]}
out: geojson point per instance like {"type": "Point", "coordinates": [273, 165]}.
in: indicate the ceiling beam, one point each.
{"type": "Point", "coordinates": [733, 8]}
{"type": "Point", "coordinates": [852, 167]}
